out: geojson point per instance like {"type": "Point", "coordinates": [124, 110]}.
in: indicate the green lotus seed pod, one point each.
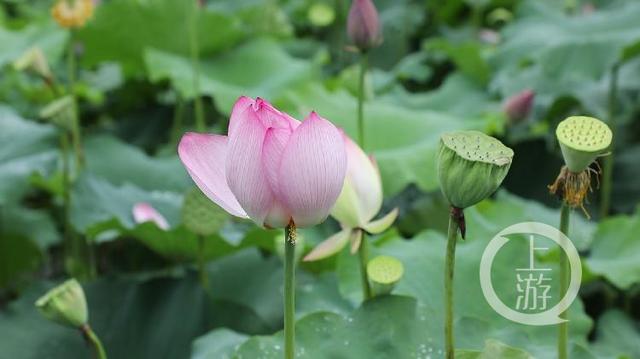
{"type": "Point", "coordinates": [200, 215]}
{"type": "Point", "coordinates": [471, 166]}
{"type": "Point", "coordinates": [384, 272]}
{"type": "Point", "coordinates": [60, 112]}
{"type": "Point", "coordinates": [582, 139]}
{"type": "Point", "coordinates": [65, 304]}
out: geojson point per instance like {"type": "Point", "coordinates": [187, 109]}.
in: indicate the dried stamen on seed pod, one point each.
{"type": "Point", "coordinates": [573, 188]}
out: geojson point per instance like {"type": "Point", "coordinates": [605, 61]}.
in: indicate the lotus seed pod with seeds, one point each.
{"type": "Point", "coordinates": [384, 272]}
{"type": "Point", "coordinates": [582, 139]}
{"type": "Point", "coordinates": [471, 166]}
{"type": "Point", "coordinates": [65, 304]}
{"type": "Point", "coordinates": [200, 215]}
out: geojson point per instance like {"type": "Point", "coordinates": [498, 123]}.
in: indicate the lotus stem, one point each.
{"type": "Point", "coordinates": [76, 134]}
{"type": "Point", "coordinates": [91, 336]}
{"type": "Point", "coordinates": [289, 291]}
{"type": "Point", "coordinates": [450, 259]}
{"type": "Point", "coordinates": [363, 254]}
{"type": "Point", "coordinates": [195, 63]}
{"type": "Point", "coordinates": [361, 90]}
{"type": "Point", "coordinates": [607, 168]}
{"type": "Point", "coordinates": [363, 249]}
{"type": "Point", "coordinates": [563, 328]}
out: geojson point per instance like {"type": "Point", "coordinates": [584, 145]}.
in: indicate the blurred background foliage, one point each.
{"type": "Point", "coordinates": [443, 65]}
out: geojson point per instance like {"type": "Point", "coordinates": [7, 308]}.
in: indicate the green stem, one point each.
{"type": "Point", "coordinates": [76, 135]}
{"type": "Point", "coordinates": [178, 114]}
{"type": "Point", "coordinates": [363, 250]}
{"type": "Point", "coordinates": [563, 328]}
{"type": "Point", "coordinates": [202, 269]}
{"type": "Point", "coordinates": [95, 341]}
{"type": "Point", "coordinates": [607, 170]}
{"type": "Point", "coordinates": [195, 63]}
{"type": "Point", "coordinates": [66, 202]}
{"type": "Point", "coordinates": [361, 93]}
{"type": "Point", "coordinates": [289, 291]}
{"type": "Point", "coordinates": [363, 253]}
{"type": "Point", "coordinates": [450, 259]}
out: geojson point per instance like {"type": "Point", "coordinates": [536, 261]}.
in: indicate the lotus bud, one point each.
{"type": "Point", "coordinates": [384, 272]}
{"type": "Point", "coordinates": [200, 215]}
{"type": "Point", "coordinates": [518, 106]}
{"type": "Point", "coordinates": [34, 60]}
{"type": "Point", "coordinates": [72, 13]}
{"type": "Point", "coordinates": [582, 139]}
{"type": "Point", "coordinates": [144, 212]}
{"type": "Point", "coordinates": [363, 25]}
{"type": "Point", "coordinates": [60, 112]}
{"type": "Point", "coordinates": [65, 304]}
{"type": "Point", "coordinates": [471, 166]}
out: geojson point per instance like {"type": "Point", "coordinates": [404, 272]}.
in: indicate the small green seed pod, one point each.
{"type": "Point", "coordinates": [200, 215]}
{"type": "Point", "coordinates": [582, 139]}
{"type": "Point", "coordinates": [65, 304]}
{"type": "Point", "coordinates": [471, 166]}
{"type": "Point", "coordinates": [384, 272]}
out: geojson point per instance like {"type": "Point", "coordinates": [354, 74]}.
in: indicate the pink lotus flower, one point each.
{"type": "Point", "coordinates": [518, 106]}
{"type": "Point", "coordinates": [359, 202]}
{"type": "Point", "coordinates": [363, 25]}
{"type": "Point", "coordinates": [271, 168]}
{"type": "Point", "coordinates": [144, 212]}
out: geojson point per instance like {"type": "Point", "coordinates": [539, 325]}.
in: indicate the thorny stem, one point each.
{"type": "Point", "coordinates": [563, 328]}
{"type": "Point", "coordinates": [195, 63]}
{"type": "Point", "coordinates": [92, 338]}
{"type": "Point", "coordinates": [450, 259]}
{"type": "Point", "coordinates": [607, 171]}
{"type": "Point", "coordinates": [289, 291]}
{"type": "Point", "coordinates": [363, 253]}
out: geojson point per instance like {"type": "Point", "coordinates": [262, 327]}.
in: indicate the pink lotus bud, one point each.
{"type": "Point", "coordinates": [363, 25]}
{"type": "Point", "coordinates": [518, 106]}
{"type": "Point", "coordinates": [144, 212]}
{"type": "Point", "coordinates": [271, 167]}
{"type": "Point", "coordinates": [361, 196]}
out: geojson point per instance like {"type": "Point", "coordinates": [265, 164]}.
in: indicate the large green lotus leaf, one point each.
{"type": "Point", "coordinates": [494, 349]}
{"type": "Point", "coordinates": [617, 336]}
{"type": "Point", "coordinates": [48, 36]}
{"type": "Point", "coordinates": [572, 52]}
{"type": "Point", "coordinates": [35, 224]}
{"type": "Point", "coordinates": [404, 141]}
{"type": "Point", "coordinates": [115, 33]}
{"type": "Point", "coordinates": [27, 148]}
{"type": "Point", "coordinates": [458, 95]}
{"type": "Point", "coordinates": [121, 163]}
{"type": "Point", "coordinates": [232, 74]}
{"type": "Point", "coordinates": [615, 252]}
{"type": "Point", "coordinates": [386, 327]}
{"type": "Point", "coordinates": [218, 344]}
{"type": "Point", "coordinates": [95, 201]}
{"type": "Point", "coordinates": [467, 56]}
